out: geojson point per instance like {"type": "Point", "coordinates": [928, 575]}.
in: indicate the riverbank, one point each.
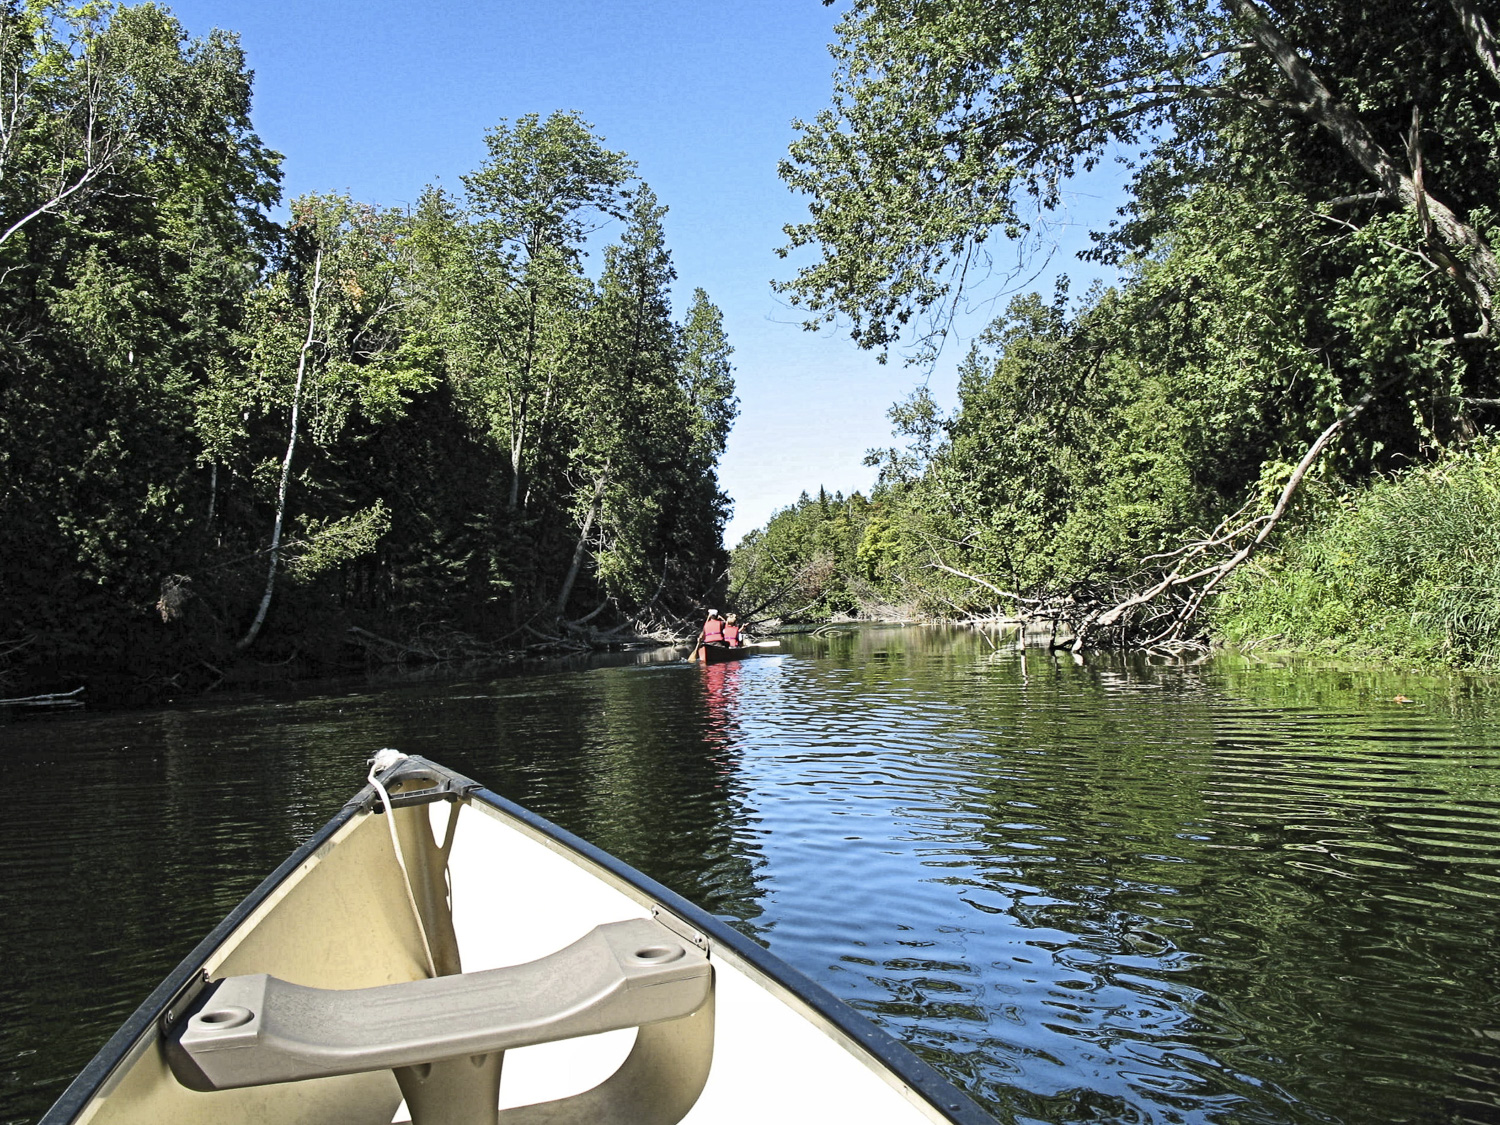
{"type": "Point", "coordinates": [1403, 570]}
{"type": "Point", "coordinates": [1328, 653]}
{"type": "Point", "coordinates": [166, 672]}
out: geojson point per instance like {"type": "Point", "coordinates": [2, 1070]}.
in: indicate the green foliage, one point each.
{"type": "Point", "coordinates": [131, 191]}
{"type": "Point", "coordinates": [804, 563]}
{"type": "Point", "coordinates": [610, 416]}
{"type": "Point", "coordinates": [1308, 231]}
{"type": "Point", "coordinates": [1087, 441]}
{"type": "Point", "coordinates": [706, 375]}
{"type": "Point", "coordinates": [326, 544]}
{"type": "Point", "coordinates": [426, 403]}
{"type": "Point", "coordinates": [950, 123]}
{"type": "Point", "coordinates": [1408, 568]}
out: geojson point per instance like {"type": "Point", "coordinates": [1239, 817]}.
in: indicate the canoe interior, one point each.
{"type": "Point", "coordinates": [520, 889]}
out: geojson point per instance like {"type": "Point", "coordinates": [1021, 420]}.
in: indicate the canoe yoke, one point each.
{"type": "Point", "coordinates": [445, 1036]}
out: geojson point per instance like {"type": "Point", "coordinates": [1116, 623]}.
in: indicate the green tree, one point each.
{"type": "Point", "coordinates": [805, 562]}
{"type": "Point", "coordinates": [707, 378]}
{"type": "Point", "coordinates": [133, 191]}
{"type": "Point", "coordinates": [544, 188]}
{"type": "Point", "coordinates": [630, 414]}
{"type": "Point", "coordinates": [694, 529]}
{"type": "Point", "coordinates": [89, 94]}
{"type": "Point", "coordinates": [324, 339]}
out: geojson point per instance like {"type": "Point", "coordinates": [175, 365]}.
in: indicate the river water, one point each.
{"type": "Point", "coordinates": [1246, 891]}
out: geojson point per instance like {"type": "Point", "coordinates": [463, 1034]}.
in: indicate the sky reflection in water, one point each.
{"type": "Point", "coordinates": [1238, 892]}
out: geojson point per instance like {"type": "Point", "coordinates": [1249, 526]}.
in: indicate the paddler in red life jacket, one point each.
{"type": "Point", "coordinates": [732, 631]}
{"type": "Point", "coordinates": [713, 629]}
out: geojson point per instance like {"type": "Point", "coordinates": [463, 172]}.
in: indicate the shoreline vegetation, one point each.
{"type": "Point", "coordinates": [1404, 570]}
{"type": "Point", "coordinates": [237, 448]}
{"type": "Point", "coordinates": [1278, 426]}
{"type": "Point", "coordinates": [240, 449]}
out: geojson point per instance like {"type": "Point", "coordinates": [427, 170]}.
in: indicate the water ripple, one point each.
{"type": "Point", "coordinates": [1122, 892]}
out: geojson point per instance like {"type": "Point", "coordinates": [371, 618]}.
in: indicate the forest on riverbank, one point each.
{"type": "Point", "coordinates": [360, 431]}
{"type": "Point", "coordinates": [1277, 425]}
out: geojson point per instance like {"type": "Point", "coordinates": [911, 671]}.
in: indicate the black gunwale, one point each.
{"type": "Point", "coordinates": [894, 1056]}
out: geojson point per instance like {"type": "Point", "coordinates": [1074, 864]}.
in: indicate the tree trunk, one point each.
{"type": "Point", "coordinates": [1480, 35]}
{"type": "Point", "coordinates": [1475, 261]}
{"type": "Point", "coordinates": [582, 548]}
{"type": "Point", "coordinates": [286, 463]}
{"type": "Point", "coordinates": [517, 439]}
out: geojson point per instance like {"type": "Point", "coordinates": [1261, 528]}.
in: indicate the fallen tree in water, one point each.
{"type": "Point", "coordinates": [1165, 612]}
{"type": "Point", "coordinates": [56, 701]}
{"type": "Point", "coordinates": [1159, 608]}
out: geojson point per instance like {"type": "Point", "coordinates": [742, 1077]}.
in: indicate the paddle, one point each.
{"type": "Point", "coordinates": [696, 646]}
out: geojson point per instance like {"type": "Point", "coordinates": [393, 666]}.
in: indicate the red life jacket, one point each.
{"type": "Point", "coordinates": [713, 630]}
{"type": "Point", "coordinates": [731, 633]}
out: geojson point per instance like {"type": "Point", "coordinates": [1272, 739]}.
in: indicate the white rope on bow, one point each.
{"type": "Point", "coordinates": [380, 763]}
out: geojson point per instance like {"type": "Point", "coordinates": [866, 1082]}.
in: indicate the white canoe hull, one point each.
{"type": "Point", "coordinates": [337, 915]}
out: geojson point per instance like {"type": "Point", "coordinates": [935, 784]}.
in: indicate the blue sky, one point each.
{"type": "Point", "coordinates": [377, 99]}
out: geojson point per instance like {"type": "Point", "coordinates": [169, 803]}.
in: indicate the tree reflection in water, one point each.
{"type": "Point", "coordinates": [1237, 892]}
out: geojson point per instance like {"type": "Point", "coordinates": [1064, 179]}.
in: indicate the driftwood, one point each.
{"type": "Point", "coordinates": [401, 650]}
{"type": "Point", "coordinates": [57, 701]}
{"type": "Point", "coordinates": [442, 647]}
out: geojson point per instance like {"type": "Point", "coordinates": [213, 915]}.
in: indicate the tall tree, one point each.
{"type": "Point", "coordinates": [324, 339]}
{"type": "Point", "coordinates": [544, 188]}
{"type": "Point", "coordinates": [628, 418]}
{"type": "Point", "coordinates": [696, 520]}
{"type": "Point", "coordinates": [707, 377]}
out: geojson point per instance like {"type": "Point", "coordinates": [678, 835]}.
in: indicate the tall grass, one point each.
{"type": "Point", "coordinates": [1407, 569]}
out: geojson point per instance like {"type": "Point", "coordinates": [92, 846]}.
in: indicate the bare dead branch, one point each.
{"type": "Point", "coordinates": [1197, 584]}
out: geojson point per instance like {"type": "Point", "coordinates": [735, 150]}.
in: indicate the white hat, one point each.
{"type": "Point", "coordinates": [713, 613]}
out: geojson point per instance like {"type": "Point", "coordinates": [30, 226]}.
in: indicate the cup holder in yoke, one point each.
{"type": "Point", "coordinates": [445, 1037]}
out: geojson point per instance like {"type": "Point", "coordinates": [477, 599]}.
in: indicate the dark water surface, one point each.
{"type": "Point", "coordinates": [1234, 893]}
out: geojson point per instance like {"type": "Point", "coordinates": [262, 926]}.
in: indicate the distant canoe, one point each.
{"type": "Point", "coordinates": [722, 654]}
{"type": "Point", "coordinates": [352, 988]}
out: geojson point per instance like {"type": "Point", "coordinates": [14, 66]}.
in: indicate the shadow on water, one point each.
{"type": "Point", "coordinates": [1242, 891]}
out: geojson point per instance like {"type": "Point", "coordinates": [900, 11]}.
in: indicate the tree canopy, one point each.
{"type": "Point", "coordinates": [1306, 263]}
{"type": "Point", "coordinates": [360, 432]}
{"type": "Point", "coordinates": [948, 119]}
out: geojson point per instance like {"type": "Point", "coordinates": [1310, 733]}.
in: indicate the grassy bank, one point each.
{"type": "Point", "coordinates": [1406, 570]}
